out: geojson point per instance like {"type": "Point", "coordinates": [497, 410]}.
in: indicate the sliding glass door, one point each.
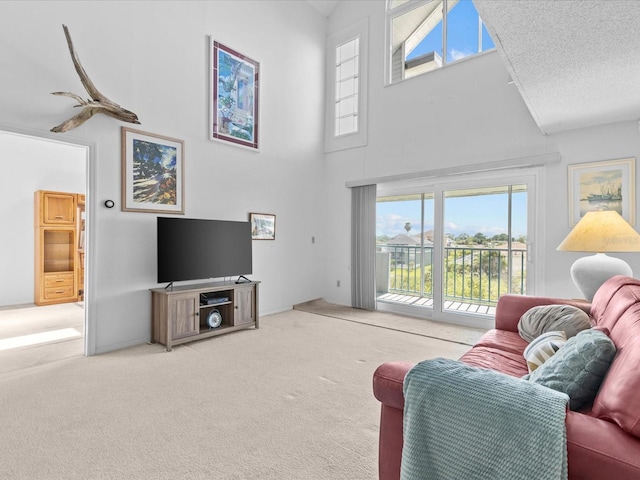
{"type": "Point", "coordinates": [404, 258]}
{"type": "Point", "coordinates": [484, 252]}
{"type": "Point", "coordinates": [450, 250]}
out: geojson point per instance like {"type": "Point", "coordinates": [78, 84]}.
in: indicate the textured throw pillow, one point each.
{"type": "Point", "coordinates": [552, 318]}
{"type": "Point", "coordinates": [578, 368]}
{"type": "Point", "coordinates": [542, 348]}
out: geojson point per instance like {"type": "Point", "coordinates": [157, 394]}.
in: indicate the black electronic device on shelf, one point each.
{"type": "Point", "coordinates": [212, 299]}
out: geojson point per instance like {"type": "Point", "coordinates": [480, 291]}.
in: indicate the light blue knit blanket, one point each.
{"type": "Point", "coordinates": [463, 422]}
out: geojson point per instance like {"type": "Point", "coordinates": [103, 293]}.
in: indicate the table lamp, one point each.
{"type": "Point", "coordinates": [600, 232]}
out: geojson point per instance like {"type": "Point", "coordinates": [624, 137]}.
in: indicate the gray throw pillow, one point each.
{"type": "Point", "coordinates": [578, 368]}
{"type": "Point", "coordinates": [552, 318]}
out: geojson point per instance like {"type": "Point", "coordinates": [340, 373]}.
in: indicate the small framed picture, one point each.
{"type": "Point", "coordinates": [608, 185]}
{"type": "Point", "coordinates": [152, 173]}
{"type": "Point", "coordinates": [263, 226]}
{"type": "Point", "coordinates": [235, 97]}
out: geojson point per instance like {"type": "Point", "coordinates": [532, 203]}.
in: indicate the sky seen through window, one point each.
{"type": "Point", "coordinates": [462, 35]}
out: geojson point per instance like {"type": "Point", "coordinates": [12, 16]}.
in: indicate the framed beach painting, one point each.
{"type": "Point", "coordinates": [152, 173]}
{"type": "Point", "coordinates": [263, 226]}
{"type": "Point", "coordinates": [235, 97]}
{"type": "Point", "coordinates": [608, 185]}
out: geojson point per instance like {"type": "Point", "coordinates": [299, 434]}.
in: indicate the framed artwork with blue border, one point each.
{"type": "Point", "coordinates": [235, 97]}
{"type": "Point", "coordinates": [152, 173]}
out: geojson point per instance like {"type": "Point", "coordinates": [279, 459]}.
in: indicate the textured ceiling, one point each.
{"type": "Point", "coordinates": [576, 63]}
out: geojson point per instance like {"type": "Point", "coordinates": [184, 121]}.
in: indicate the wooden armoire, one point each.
{"type": "Point", "coordinates": [59, 247]}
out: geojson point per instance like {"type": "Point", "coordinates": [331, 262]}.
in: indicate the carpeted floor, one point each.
{"type": "Point", "coordinates": [58, 328]}
{"type": "Point", "coordinates": [416, 326]}
{"type": "Point", "coordinates": [291, 400]}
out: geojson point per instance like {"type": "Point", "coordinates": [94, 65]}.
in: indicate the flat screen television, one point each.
{"type": "Point", "coordinates": [196, 249]}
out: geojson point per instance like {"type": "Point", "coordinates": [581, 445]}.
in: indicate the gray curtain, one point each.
{"type": "Point", "coordinates": [363, 247]}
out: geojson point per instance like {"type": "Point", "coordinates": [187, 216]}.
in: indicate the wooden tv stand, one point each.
{"type": "Point", "coordinates": [179, 314]}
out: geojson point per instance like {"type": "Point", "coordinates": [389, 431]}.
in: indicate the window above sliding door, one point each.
{"type": "Point", "coordinates": [425, 35]}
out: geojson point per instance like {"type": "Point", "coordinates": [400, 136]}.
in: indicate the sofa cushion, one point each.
{"type": "Point", "coordinates": [578, 368]}
{"type": "Point", "coordinates": [612, 300]}
{"type": "Point", "coordinates": [546, 318]}
{"type": "Point", "coordinates": [504, 361]}
{"type": "Point", "coordinates": [543, 348]}
{"type": "Point", "coordinates": [503, 340]}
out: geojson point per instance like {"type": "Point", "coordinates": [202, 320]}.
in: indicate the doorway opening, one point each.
{"type": "Point", "coordinates": [32, 335]}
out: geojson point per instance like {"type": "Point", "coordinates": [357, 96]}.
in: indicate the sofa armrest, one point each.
{"type": "Point", "coordinates": [511, 307]}
{"type": "Point", "coordinates": [387, 383]}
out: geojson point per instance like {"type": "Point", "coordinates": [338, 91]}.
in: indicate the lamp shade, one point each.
{"type": "Point", "coordinates": [602, 232]}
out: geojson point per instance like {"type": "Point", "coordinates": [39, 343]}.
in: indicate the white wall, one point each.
{"type": "Point", "coordinates": [153, 58]}
{"type": "Point", "coordinates": [30, 164]}
{"type": "Point", "coordinates": [460, 115]}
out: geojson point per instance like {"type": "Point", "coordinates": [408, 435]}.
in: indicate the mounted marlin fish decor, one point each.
{"type": "Point", "coordinates": [97, 103]}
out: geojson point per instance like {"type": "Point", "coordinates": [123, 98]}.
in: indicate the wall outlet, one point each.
{"type": "Point", "coordinates": [337, 283]}
{"type": "Point", "coordinates": [313, 239]}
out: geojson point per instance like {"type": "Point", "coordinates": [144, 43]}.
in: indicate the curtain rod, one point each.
{"type": "Point", "coordinates": [533, 161]}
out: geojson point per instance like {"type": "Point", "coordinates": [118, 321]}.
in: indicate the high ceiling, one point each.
{"type": "Point", "coordinates": [325, 7]}
{"type": "Point", "coordinates": [576, 63]}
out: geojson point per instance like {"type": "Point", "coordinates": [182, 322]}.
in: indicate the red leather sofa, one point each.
{"type": "Point", "coordinates": [603, 439]}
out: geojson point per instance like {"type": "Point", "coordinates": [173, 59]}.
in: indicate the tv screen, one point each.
{"type": "Point", "coordinates": [194, 249]}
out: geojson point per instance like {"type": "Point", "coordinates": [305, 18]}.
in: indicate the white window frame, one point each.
{"type": "Point", "coordinates": [532, 177]}
{"type": "Point", "coordinates": [359, 137]}
{"type": "Point", "coordinates": [392, 13]}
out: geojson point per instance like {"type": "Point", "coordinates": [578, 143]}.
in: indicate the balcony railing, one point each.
{"type": "Point", "coordinates": [477, 275]}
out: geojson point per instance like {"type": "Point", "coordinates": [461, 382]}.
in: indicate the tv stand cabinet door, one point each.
{"type": "Point", "coordinates": [184, 312]}
{"type": "Point", "coordinates": [244, 305]}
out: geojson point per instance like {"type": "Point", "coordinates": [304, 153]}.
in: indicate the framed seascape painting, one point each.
{"type": "Point", "coordinates": [235, 97]}
{"type": "Point", "coordinates": [608, 185]}
{"type": "Point", "coordinates": [152, 173]}
{"type": "Point", "coordinates": [263, 226]}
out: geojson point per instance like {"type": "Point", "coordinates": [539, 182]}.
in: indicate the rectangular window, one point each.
{"type": "Point", "coordinates": [346, 111]}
